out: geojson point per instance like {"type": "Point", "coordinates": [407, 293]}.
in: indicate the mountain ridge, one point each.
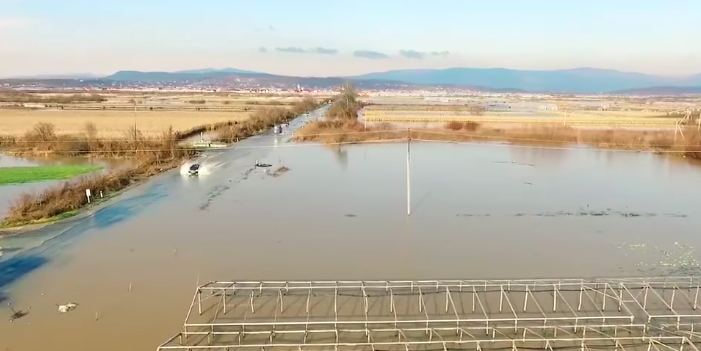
{"type": "Point", "coordinates": [576, 80]}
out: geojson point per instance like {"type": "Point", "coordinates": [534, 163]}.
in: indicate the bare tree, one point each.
{"type": "Point", "coordinates": [90, 130]}
{"type": "Point", "coordinates": [45, 131]}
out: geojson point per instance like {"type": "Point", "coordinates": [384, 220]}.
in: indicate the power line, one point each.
{"type": "Point", "coordinates": [379, 141]}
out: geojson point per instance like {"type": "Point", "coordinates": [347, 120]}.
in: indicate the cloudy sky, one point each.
{"type": "Point", "coordinates": [314, 37]}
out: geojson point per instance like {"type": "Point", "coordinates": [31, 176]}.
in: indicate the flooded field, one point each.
{"type": "Point", "coordinates": [478, 211]}
{"type": "Point", "coordinates": [9, 193]}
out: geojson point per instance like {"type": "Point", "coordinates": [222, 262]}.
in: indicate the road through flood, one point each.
{"type": "Point", "coordinates": [479, 211]}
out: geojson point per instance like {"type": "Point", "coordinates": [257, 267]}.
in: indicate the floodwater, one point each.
{"type": "Point", "coordinates": [9, 193]}
{"type": "Point", "coordinates": [478, 211]}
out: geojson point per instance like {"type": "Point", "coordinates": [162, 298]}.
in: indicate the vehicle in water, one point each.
{"type": "Point", "coordinates": [194, 169]}
{"type": "Point", "coordinates": [277, 129]}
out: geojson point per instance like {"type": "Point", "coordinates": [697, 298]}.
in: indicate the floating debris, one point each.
{"type": "Point", "coordinates": [679, 259]}
{"type": "Point", "coordinates": [258, 164]}
{"type": "Point", "coordinates": [350, 215]}
{"type": "Point", "coordinates": [278, 172]}
{"type": "Point", "coordinates": [18, 314]}
{"type": "Point", "coordinates": [67, 307]}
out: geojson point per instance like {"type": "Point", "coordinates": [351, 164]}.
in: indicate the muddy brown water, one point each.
{"type": "Point", "coordinates": [479, 211]}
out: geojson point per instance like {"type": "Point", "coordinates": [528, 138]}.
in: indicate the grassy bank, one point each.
{"type": "Point", "coordinates": [17, 175]}
{"type": "Point", "coordinates": [152, 156]}
{"type": "Point", "coordinates": [262, 120]}
{"type": "Point", "coordinates": [66, 199]}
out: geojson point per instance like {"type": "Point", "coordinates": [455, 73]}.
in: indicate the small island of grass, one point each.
{"type": "Point", "coordinates": [19, 175]}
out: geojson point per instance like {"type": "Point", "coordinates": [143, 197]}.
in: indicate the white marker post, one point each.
{"type": "Point", "coordinates": [408, 173]}
{"type": "Point", "coordinates": [87, 194]}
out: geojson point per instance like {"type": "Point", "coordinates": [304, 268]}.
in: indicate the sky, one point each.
{"type": "Point", "coordinates": [338, 38]}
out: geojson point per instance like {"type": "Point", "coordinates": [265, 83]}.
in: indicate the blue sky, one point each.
{"type": "Point", "coordinates": [313, 37]}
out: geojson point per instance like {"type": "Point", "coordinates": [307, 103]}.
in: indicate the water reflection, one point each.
{"type": "Point", "coordinates": [342, 157]}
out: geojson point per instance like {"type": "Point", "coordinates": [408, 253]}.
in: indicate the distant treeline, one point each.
{"type": "Point", "coordinates": [19, 97]}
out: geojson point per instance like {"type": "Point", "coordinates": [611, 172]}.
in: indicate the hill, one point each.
{"type": "Point", "coordinates": [229, 76]}
{"type": "Point", "coordinates": [657, 91]}
{"type": "Point", "coordinates": [180, 76]}
{"type": "Point", "coordinates": [579, 80]}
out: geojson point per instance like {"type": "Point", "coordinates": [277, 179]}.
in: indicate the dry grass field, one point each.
{"type": "Point", "coordinates": [445, 114]}
{"type": "Point", "coordinates": [113, 113]}
{"type": "Point", "coordinates": [111, 124]}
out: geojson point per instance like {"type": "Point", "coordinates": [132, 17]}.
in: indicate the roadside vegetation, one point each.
{"type": "Point", "coordinates": [150, 156]}
{"type": "Point", "coordinates": [18, 175]}
{"type": "Point", "coordinates": [341, 121]}
{"type": "Point", "coordinates": [261, 120]}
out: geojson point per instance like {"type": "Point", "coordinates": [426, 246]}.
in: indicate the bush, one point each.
{"type": "Point", "coordinates": [454, 125]}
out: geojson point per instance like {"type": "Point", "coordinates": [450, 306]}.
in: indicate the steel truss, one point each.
{"type": "Point", "coordinates": [625, 313]}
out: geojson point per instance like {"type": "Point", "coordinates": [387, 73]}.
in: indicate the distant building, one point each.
{"type": "Point", "coordinates": [548, 107]}
{"type": "Point", "coordinates": [33, 105]}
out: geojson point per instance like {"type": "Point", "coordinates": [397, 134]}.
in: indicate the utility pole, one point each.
{"type": "Point", "coordinates": [135, 142]}
{"type": "Point", "coordinates": [408, 172]}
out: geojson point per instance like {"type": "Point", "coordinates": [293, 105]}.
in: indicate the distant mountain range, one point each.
{"type": "Point", "coordinates": [579, 80]}
{"type": "Point", "coordinates": [661, 91]}
{"type": "Point", "coordinates": [178, 76]}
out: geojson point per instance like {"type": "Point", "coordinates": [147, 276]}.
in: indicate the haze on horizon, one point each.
{"type": "Point", "coordinates": [328, 38]}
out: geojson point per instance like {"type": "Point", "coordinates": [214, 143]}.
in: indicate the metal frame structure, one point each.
{"type": "Point", "coordinates": [618, 313]}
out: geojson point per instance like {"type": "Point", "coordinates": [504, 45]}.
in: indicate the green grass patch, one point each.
{"type": "Point", "coordinates": [19, 175]}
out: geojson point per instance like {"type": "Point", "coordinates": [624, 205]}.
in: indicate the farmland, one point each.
{"type": "Point", "coordinates": [445, 114]}
{"type": "Point", "coordinates": [152, 114]}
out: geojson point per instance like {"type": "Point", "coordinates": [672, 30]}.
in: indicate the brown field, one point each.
{"type": "Point", "coordinates": [110, 124]}
{"type": "Point", "coordinates": [113, 112]}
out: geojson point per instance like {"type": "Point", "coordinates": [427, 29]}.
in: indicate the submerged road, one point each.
{"type": "Point", "coordinates": [56, 264]}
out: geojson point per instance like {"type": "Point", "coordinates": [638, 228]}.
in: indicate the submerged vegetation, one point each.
{"type": "Point", "coordinates": [17, 175]}
{"type": "Point", "coordinates": [342, 126]}
{"type": "Point", "coordinates": [151, 156]}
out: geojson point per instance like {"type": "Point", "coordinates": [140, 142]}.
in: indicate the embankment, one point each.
{"type": "Point", "coordinates": [151, 155]}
